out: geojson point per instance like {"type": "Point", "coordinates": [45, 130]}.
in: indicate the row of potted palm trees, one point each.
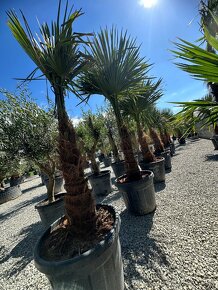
{"type": "Point", "coordinates": [110, 66]}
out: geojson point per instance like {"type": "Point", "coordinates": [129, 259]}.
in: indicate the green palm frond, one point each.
{"type": "Point", "coordinates": [202, 111]}
{"type": "Point", "coordinates": [134, 104]}
{"type": "Point", "coordinates": [201, 64]}
{"type": "Point", "coordinates": [56, 50]}
{"type": "Point", "coordinates": [116, 65]}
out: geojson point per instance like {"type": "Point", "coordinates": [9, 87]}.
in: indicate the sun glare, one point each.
{"type": "Point", "coordinates": [147, 3]}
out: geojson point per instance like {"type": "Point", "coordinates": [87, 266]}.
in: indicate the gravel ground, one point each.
{"type": "Point", "coordinates": [174, 248]}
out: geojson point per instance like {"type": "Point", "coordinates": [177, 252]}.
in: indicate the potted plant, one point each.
{"type": "Point", "coordinates": [159, 148]}
{"type": "Point", "coordinates": [86, 243]}
{"type": "Point", "coordinates": [119, 59]}
{"type": "Point", "coordinates": [139, 108]}
{"type": "Point", "coordinates": [89, 131]}
{"type": "Point", "coordinates": [33, 133]}
{"type": "Point", "coordinates": [8, 165]}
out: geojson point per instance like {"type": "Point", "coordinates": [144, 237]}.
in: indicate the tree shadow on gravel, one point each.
{"type": "Point", "coordinates": [31, 188]}
{"type": "Point", "coordinates": [141, 253]}
{"type": "Point", "coordinates": [22, 253]}
{"type": "Point", "coordinates": [211, 157]}
{"type": "Point", "coordinates": [18, 207]}
{"type": "Point", "coordinates": [108, 199]}
{"type": "Point", "coordinates": [159, 186]}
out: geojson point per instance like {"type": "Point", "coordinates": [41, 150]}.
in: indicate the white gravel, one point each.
{"type": "Point", "coordinates": [175, 248]}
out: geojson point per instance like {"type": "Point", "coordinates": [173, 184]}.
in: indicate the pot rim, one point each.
{"type": "Point", "coordinates": [149, 175]}
{"type": "Point", "coordinates": [103, 173]}
{"type": "Point", "coordinates": [59, 197]}
{"type": "Point", "coordinates": [159, 159]}
{"type": "Point", "coordinates": [104, 244]}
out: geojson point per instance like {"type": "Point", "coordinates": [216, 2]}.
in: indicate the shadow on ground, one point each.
{"type": "Point", "coordinates": [159, 186]}
{"type": "Point", "coordinates": [31, 188]}
{"type": "Point", "coordinates": [211, 157]}
{"type": "Point", "coordinates": [18, 207]}
{"type": "Point", "coordinates": [108, 199]}
{"type": "Point", "coordinates": [22, 253]}
{"type": "Point", "coordinates": [140, 250]}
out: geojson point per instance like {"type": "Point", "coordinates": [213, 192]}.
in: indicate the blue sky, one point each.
{"type": "Point", "coordinates": [155, 29]}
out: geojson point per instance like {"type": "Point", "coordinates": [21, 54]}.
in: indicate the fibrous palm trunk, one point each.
{"type": "Point", "coordinates": [79, 203]}
{"type": "Point", "coordinates": [158, 145]}
{"type": "Point", "coordinates": [148, 156]}
{"type": "Point", "coordinates": [113, 146]}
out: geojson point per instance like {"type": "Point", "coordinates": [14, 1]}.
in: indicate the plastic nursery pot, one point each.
{"type": "Point", "coordinates": [107, 161]}
{"type": "Point", "coordinates": [118, 168]}
{"type": "Point", "coordinates": [167, 157]}
{"type": "Point", "coordinates": [157, 167]}
{"type": "Point", "coordinates": [16, 180]}
{"type": "Point", "coordinates": [100, 268]}
{"type": "Point", "coordinates": [138, 196]}
{"type": "Point", "coordinates": [50, 212]}
{"type": "Point", "coordinates": [10, 193]}
{"type": "Point", "coordinates": [101, 184]}
{"type": "Point", "coordinates": [172, 149]}
{"type": "Point", "coordinates": [214, 139]}
{"type": "Point", "coordinates": [182, 141]}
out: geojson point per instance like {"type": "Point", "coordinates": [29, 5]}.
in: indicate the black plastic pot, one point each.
{"type": "Point", "coordinates": [167, 156]}
{"type": "Point", "coordinates": [16, 180]}
{"type": "Point", "coordinates": [214, 139]}
{"type": "Point", "coordinates": [100, 268]}
{"type": "Point", "coordinates": [50, 212]}
{"type": "Point", "coordinates": [101, 184]}
{"type": "Point", "coordinates": [10, 193]}
{"type": "Point", "coordinates": [107, 161]}
{"type": "Point", "coordinates": [182, 141]}
{"type": "Point", "coordinates": [139, 196]}
{"type": "Point", "coordinates": [118, 168]}
{"type": "Point", "coordinates": [157, 167]}
{"type": "Point", "coordinates": [172, 149]}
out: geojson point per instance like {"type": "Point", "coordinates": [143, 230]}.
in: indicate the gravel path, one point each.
{"type": "Point", "coordinates": [175, 248]}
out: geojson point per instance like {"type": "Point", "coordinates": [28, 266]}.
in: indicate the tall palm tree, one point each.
{"type": "Point", "coordinates": [56, 53]}
{"type": "Point", "coordinates": [138, 106]}
{"type": "Point", "coordinates": [117, 68]}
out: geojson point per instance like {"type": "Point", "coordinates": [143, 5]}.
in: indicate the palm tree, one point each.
{"type": "Point", "coordinates": [138, 107]}
{"type": "Point", "coordinates": [117, 69]}
{"type": "Point", "coordinates": [57, 54]}
{"type": "Point", "coordinates": [202, 64]}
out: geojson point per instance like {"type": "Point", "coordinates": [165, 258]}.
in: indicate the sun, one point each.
{"type": "Point", "coordinates": [147, 3]}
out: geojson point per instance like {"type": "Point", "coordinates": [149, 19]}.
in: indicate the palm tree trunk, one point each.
{"type": "Point", "coordinates": [159, 147]}
{"type": "Point", "coordinates": [132, 169]}
{"type": "Point", "coordinates": [113, 146]}
{"type": "Point", "coordinates": [49, 170]}
{"type": "Point", "coordinates": [79, 203]}
{"type": "Point", "coordinates": [91, 154]}
{"type": "Point", "coordinates": [50, 188]}
{"type": "Point", "coordinates": [148, 156]}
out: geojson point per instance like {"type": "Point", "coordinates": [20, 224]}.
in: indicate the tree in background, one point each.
{"type": "Point", "coordinates": [30, 133]}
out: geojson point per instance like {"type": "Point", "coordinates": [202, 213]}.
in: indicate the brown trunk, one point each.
{"type": "Point", "coordinates": [148, 156]}
{"type": "Point", "coordinates": [158, 145]}
{"type": "Point", "coordinates": [91, 155]}
{"type": "Point", "coordinates": [113, 146]}
{"type": "Point", "coordinates": [50, 188]}
{"type": "Point", "coordinates": [132, 169]}
{"type": "Point", "coordinates": [79, 203]}
{"type": "Point", "coordinates": [49, 169]}
{"type": "Point", "coordinates": [164, 139]}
